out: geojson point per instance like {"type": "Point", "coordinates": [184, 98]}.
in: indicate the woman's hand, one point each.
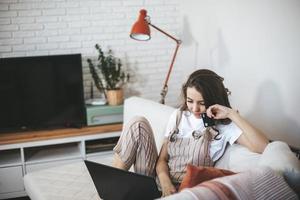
{"type": "Point", "coordinates": [219, 112]}
{"type": "Point", "coordinates": [167, 188]}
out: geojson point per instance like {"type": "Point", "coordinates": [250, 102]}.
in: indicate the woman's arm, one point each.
{"type": "Point", "coordinates": [162, 171]}
{"type": "Point", "coordinates": [252, 138]}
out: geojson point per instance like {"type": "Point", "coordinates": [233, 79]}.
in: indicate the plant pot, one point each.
{"type": "Point", "coordinates": [114, 97]}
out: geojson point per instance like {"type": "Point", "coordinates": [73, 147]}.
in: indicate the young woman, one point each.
{"type": "Point", "coordinates": [187, 139]}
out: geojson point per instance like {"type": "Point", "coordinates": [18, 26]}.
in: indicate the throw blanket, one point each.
{"type": "Point", "coordinates": [256, 184]}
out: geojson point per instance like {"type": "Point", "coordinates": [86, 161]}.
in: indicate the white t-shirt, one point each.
{"type": "Point", "coordinates": [189, 123]}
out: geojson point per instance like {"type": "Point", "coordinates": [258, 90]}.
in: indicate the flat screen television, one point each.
{"type": "Point", "coordinates": [41, 92]}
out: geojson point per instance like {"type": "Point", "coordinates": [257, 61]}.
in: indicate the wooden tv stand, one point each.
{"type": "Point", "coordinates": [12, 138]}
{"type": "Point", "coordinates": [21, 153]}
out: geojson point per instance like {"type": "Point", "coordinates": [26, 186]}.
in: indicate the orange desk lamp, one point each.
{"type": "Point", "coordinates": [141, 31]}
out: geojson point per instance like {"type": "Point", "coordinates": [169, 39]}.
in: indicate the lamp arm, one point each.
{"type": "Point", "coordinates": [160, 30]}
{"type": "Point", "coordinates": [164, 90]}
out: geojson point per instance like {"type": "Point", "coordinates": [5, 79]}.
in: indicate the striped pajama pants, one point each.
{"type": "Point", "coordinates": [137, 147]}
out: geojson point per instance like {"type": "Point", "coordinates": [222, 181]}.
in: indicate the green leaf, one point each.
{"type": "Point", "coordinates": [111, 74]}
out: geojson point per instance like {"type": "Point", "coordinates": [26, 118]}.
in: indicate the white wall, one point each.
{"type": "Point", "coordinates": [255, 45]}
{"type": "Point", "coordinates": [46, 27]}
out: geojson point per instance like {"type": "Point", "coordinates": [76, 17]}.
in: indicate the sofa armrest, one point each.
{"type": "Point", "coordinates": [157, 114]}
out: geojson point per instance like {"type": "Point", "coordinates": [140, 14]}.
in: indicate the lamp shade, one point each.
{"type": "Point", "coordinates": [140, 30]}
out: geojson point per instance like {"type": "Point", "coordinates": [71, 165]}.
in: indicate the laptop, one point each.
{"type": "Point", "coordinates": [116, 184]}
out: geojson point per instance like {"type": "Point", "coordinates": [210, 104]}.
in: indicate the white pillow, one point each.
{"type": "Point", "coordinates": [279, 157]}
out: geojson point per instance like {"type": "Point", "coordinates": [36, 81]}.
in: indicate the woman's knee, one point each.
{"type": "Point", "coordinates": [137, 125]}
{"type": "Point", "coordinates": [138, 121]}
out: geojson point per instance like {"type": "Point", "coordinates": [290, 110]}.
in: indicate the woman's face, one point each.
{"type": "Point", "coordinates": [195, 102]}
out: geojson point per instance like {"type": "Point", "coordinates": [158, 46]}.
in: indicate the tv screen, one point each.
{"type": "Point", "coordinates": [42, 92]}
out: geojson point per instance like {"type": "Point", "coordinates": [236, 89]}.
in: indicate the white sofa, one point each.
{"type": "Point", "coordinates": [73, 182]}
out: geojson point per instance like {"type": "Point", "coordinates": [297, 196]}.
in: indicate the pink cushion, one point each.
{"type": "Point", "coordinates": [198, 174]}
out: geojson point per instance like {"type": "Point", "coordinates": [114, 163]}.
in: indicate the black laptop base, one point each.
{"type": "Point", "coordinates": [116, 184]}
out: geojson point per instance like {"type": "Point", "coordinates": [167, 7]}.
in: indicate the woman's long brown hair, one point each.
{"type": "Point", "coordinates": [211, 86]}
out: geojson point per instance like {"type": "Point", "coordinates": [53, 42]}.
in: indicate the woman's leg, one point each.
{"type": "Point", "coordinates": [136, 146]}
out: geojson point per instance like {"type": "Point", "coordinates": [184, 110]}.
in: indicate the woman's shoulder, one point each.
{"type": "Point", "coordinates": [172, 122]}
{"type": "Point", "coordinates": [184, 113]}
{"type": "Point", "coordinates": [174, 113]}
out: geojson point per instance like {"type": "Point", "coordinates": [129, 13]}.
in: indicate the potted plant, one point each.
{"type": "Point", "coordinates": [111, 76]}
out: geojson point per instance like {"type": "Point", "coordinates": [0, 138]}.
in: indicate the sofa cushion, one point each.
{"type": "Point", "coordinates": [198, 174]}
{"type": "Point", "coordinates": [238, 158]}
